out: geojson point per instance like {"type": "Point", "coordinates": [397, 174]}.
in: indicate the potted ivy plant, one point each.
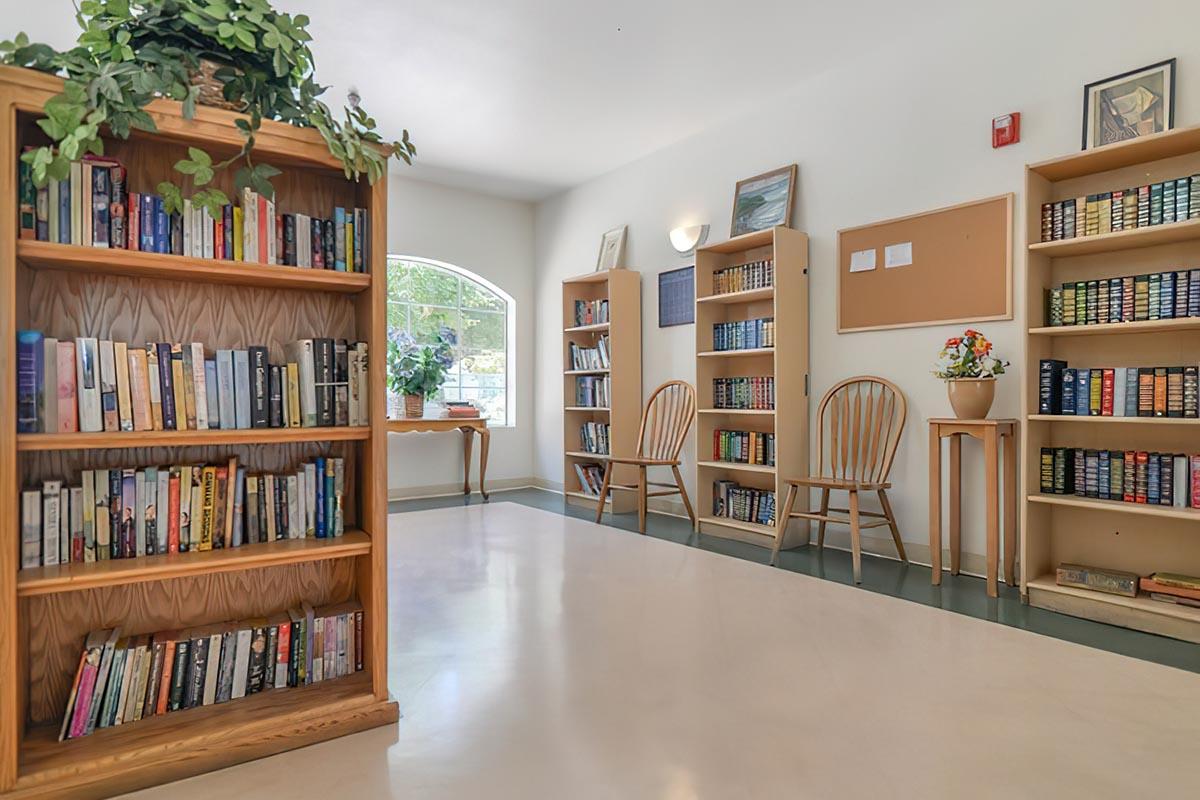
{"type": "Point", "coordinates": [417, 371]}
{"type": "Point", "coordinates": [969, 368]}
{"type": "Point", "coordinates": [240, 54]}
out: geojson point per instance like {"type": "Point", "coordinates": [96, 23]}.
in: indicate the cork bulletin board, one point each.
{"type": "Point", "coordinates": [938, 267]}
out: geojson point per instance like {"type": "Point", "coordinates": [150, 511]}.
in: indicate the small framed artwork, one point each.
{"type": "Point", "coordinates": [1132, 104]}
{"type": "Point", "coordinates": [612, 250]}
{"type": "Point", "coordinates": [764, 201]}
{"type": "Point", "coordinates": [677, 297]}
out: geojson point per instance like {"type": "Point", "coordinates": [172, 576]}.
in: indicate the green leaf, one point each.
{"type": "Point", "coordinates": [200, 157]}
{"type": "Point", "coordinates": [172, 197]}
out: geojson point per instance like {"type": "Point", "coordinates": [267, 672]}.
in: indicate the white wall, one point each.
{"type": "Point", "coordinates": [894, 132]}
{"type": "Point", "coordinates": [493, 238]}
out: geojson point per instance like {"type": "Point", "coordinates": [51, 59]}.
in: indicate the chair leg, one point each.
{"type": "Point", "coordinates": [891, 518]}
{"type": "Point", "coordinates": [608, 470]}
{"type": "Point", "coordinates": [641, 499]}
{"type": "Point", "coordinates": [782, 523]}
{"type": "Point", "coordinates": [824, 511]}
{"type": "Point", "coordinates": [687, 503]}
{"type": "Point", "coordinates": [855, 537]}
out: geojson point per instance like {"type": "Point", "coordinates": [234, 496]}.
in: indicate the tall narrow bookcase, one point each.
{"type": "Point", "coordinates": [787, 362]}
{"type": "Point", "coordinates": [1107, 534]}
{"type": "Point", "coordinates": [622, 288]}
{"type": "Point", "coordinates": [45, 613]}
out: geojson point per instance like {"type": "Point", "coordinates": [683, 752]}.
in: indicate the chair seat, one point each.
{"type": "Point", "coordinates": [644, 462]}
{"type": "Point", "coordinates": [838, 483]}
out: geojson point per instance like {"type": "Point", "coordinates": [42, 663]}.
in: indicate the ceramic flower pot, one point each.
{"type": "Point", "coordinates": [971, 398]}
{"type": "Point", "coordinates": [414, 406]}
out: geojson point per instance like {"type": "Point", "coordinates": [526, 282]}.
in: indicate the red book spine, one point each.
{"type": "Point", "coordinates": [716, 445]}
{"type": "Point", "coordinates": [279, 259]}
{"type": "Point", "coordinates": [219, 237]}
{"type": "Point", "coordinates": [1195, 464]}
{"type": "Point", "coordinates": [173, 514]}
{"type": "Point", "coordinates": [1106, 393]}
{"type": "Point", "coordinates": [133, 221]}
{"type": "Point", "coordinates": [264, 229]}
{"type": "Point", "coordinates": [164, 685]}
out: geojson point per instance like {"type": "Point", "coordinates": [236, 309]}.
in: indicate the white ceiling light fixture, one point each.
{"type": "Point", "coordinates": [686, 239]}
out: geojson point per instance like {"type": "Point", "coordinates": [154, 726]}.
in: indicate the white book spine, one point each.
{"type": "Point", "coordinates": [198, 385]}
{"type": "Point", "coordinates": [51, 509]}
{"type": "Point", "coordinates": [88, 509]}
{"type": "Point", "coordinates": [73, 545]}
{"type": "Point", "coordinates": [212, 670]}
{"type": "Point", "coordinates": [352, 369]}
{"type": "Point", "coordinates": [310, 500]}
{"type": "Point", "coordinates": [241, 664]}
{"type": "Point", "coordinates": [76, 202]}
{"type": "Point", "coordinates": [1119, 392]}
{"type": "Point", "coordinates": [87, 384]}
{"type": "Point", "coordinates": [301, 504]}
{"type": "Point", "coordinates": [272, 256]}
{"type": "Point", "coordinates": [364, 389]}
{"type": "Point", "coordinates": [206, 224]}
{"type": "Point", "coordinates": [31, 529]}
{"type": "Point", "coordinates": [186, 224]}
{"type": "Point", "coordinates": [64, 525]}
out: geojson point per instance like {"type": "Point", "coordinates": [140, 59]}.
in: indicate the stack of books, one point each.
{"type": "Point", "coordinates": [589, 357]}
{"type": "Point", "coordinates": [744, 447]}
{"type": "Point", "coordinates": [1175, 200]}
{"type": "Point", "coordinates": [92, 385]}
{"type": "Point", "coordinates": [592, 391]}
{"type": "Point", "coordinates": [461, 410]}
{"type": "Point", "coordinates": [744, 277]}
{"type": "Point", "coordinates": [1170, 587]}
{"type": "Point", "coordinates": [94, 208]}
{"type": "Point", "coordinates": [1130, 298]}
{"type": "Point", "coordinates": [1118, 391]}
{"type": "Point", "coordinates": [1130, 476]}
{"type": "Point", "coordinates": [594, 438]}
{"type": "Point", "coordinates": [743, 503]}
{"type": "Point", "coordinates": [156, 510]}
{"type": "Point", "coordinates": [744, 393]}
{"type": "Point", "coordinates": [123, 679]}
{"type": "Point", "coordinates": [590, 312]}
{"type": "Point", "coordinates": [747, 334]}
{"type": "Point", "coordinates": [591, 478]}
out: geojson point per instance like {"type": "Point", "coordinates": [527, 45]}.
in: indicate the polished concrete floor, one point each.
{"type": "Point", "coordinates": [536, 655]}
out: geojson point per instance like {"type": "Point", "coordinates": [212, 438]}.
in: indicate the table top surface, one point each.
{"type": "Point", "coordinates": [978, 422]}
{"type": "Point", "coordinates": [435, 424]}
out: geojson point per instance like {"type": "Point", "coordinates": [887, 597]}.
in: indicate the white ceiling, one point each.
{"type": "Point", "coordinates": [525, 98]}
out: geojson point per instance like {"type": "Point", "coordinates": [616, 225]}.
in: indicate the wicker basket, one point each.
{"type": "Point", "coordinates": [211, 88]}
{"type": "Point", "coordinates": [414, 406]}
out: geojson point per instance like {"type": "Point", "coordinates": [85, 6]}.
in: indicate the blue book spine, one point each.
{"type": "Point", "coordinates": [339, 227]}
{"type": "Point", "coordinates": [1068, 391]}
{"type": "Point", "coordinates": [162, 227]}
{"type": "Point", "coordinates": [1153, 480]}
{"type": "Point", "coordinates": [1166, 296]}
{"type": "Point", "coordinates": [30, 382]}
{"type": "Point", "coordinates": [213, 399]}
{"type": "Point", "coordinates": [145, 215]}
{"type": "Point", "coordinates": [330, 501]}
{"type": "Point", "coordinates": [241, 388]}
{"type": "Point", "coordinates": [320, 488]}
{"type": "Point", "coordinates": [64, 211]}
{"type": "Point", "coordinates": [1083, 389]}
{"type": "Point", "coordinates": [166, 384]}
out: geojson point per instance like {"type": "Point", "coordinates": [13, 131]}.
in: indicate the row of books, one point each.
{"type": "Point", "coordinates": [94, 208]}
{"type": "Point", "coordinates": [589, 357]}
{"type": "Point", "coordinates": [1118, 391]}
{"type": "Point", "coordinates": [1157, 479]}
{"type": "Point", "coordinates": [156, 510]}
{"type": "Point", "coordinates": [744, 277]}
{"type": "Point", "coordinates": [92, 385]}
{"type": "Point", "coordinates": [590, 312]}
{"type": "Point", "coordinates": [1167, 587]}
{"type": "Point", "coordinates": [744, 393]}
{"type": "Point", "coordinates": [744, 334]}
{"type": "Point", "coordinates": [122, 679]}
{"type": "Point", "coordinates": [592, 391]}
{"type": "Point", "coordinates": [744, 447]}
{"type": "Point", "coordinates": [591, 478]}
{"type": "Point", "coordinates": [743, 503]}
{"type": "Point", "coordinates": [1174, 200]}
{"type": "Point", "coordinates": [594, 438]}
{"type": "Point", "coordinates": [1131, 298]}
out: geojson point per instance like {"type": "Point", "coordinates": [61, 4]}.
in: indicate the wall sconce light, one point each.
{"type": "Point", "coordinates": [685, 240]}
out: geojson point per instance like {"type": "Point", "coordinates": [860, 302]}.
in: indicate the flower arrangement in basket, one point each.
{"type": "Point", "coordinates": [969, 368]}
{"type": "Point", "coordinates": [417, 371]}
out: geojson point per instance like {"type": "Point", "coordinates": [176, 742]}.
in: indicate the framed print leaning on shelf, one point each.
{"type": "Point", "coordinates": [612, 249]}
{"type": "Point", "coordinates": [1132, 104]}
{"type": "Point", "coordinates": [764, 201]}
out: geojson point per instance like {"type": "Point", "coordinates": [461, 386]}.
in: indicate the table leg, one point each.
{"type": "Point", "coordinates": [935, 503]}
{"type": "Point", "coordinates": [955, 502]}
{"type": "Point", "coordinates": [1010, 508]}
{"type": "Point", "coordinates": [485, 443]}
{"type": "Point", "coordinates": [991, 459]}
{"type": "Point", "coordinates": [468, 437]}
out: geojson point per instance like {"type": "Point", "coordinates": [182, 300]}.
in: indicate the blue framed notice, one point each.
{"type": "Point", "coordinates": [677, 297]}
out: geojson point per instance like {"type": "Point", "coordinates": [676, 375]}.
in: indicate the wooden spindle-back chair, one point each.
{"type": "Point", "coordinates": [665, 424]}
{"type": "Point", "coordinates": [859, 423]}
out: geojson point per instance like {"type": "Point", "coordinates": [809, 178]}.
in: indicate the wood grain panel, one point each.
{"type": "Point", "coordinates": [58, 623]}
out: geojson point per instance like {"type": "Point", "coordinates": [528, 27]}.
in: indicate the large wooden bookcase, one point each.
{"type": "Point", "coordinates": [1108, 534]}
{"type": "Point", "coordinates": [623, 290]}
{"type": "Point", "coordinates": [136, 296]}
{"type": "Point", "coordinates": [787, 362]}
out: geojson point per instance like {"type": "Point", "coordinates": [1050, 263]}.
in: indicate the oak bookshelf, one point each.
{"type": "Point", "coordinates": [787, 303]}
{"type": "Point", "coordinates": [1107, 534]}
{"type": "Point", "coordinates": [138, 296]}
{"type": "Point", "coordinates": [623, 290]}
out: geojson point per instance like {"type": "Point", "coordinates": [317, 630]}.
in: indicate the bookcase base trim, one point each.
{"type": "Point", "coordinates": [1126, 612]}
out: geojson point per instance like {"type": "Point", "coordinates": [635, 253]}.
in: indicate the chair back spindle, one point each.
{"type": "Point", "coordinates": [859, 422]}
{"type": "Point", "coordinates": [666, 421]}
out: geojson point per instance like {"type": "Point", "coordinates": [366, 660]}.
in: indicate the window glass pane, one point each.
{"type": "Point", "coordinates": [483, 330]}
{"type": "Point", "coordinates": [433, 287]}
{"type": "Point", "coordinates": [397, 317]}
{"type": "Point", "coordinates": [399, 286]}
{"type": "Point", "coordinates": [426, 322]}
{"type": "Point", "coordinates": [476, 296]}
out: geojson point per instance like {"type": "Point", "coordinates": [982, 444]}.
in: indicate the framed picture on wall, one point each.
{"type": "Point", "coordinates": [764, 201]}
{"type": "Point", "coordinates": [1135, 103]}
{"type": "Point", "coordinates": [612, 249]}
{"type": "Point", "coordinates": [677, 297]}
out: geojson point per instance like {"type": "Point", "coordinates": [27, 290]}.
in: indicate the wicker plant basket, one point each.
{"type": "Point", "coordinates": [414, 406]}
{"type": "Point", "coordinates": [211, 89]}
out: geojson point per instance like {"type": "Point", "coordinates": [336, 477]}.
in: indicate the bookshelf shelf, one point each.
{"type": "Point", "coordinates": [137, 264]}
{"type": "Point", "coordinates": [114, 572]}
{"type": "Point", "coordinates": [598, 327]}
{"type": "Point", "coordinates": [1083, 530]}
{"type": "Point", "coordinates": [41, 442]}
{"type": "Point", "coordinates": [68, 291]}
{"type": "Point", "coordinates": [786, 302]}
{"type": "Point", "coordinates": [589, 409]}
{"type": "Point", "coordinates": [586, 455]}
{"type": "Point", "coordinates": [586, 372]}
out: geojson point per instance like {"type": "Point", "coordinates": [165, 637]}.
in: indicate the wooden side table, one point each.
{"type": "Point", "coordinates": [470, 426]}
{"type": "Point", "coordinates": [994, 433]}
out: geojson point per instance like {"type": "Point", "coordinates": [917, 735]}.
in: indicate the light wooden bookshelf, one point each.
{"type": "Point", "coordinates": [137, 296]}
{"type": "Point", "coordinates": [623, 290]}
{"type": "Point", "coordinates": [1107, 534]}
{"type": "Point", "coordinates": [787, 303]}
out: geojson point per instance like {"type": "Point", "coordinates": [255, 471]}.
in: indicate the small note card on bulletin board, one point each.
{"type": "Point", "coordinates": [939, 267]}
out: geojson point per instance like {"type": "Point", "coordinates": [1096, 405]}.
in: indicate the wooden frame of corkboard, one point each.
{"type": "Point", "coordinates": [930, 291]}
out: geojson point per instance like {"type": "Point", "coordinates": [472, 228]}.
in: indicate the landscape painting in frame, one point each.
{"type": "Point", "coordinates": [1126, 106]}
{"type": "Point", "coordinates": [764, 201]}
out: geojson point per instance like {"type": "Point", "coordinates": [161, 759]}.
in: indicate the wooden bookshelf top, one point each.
{"type": "Point", "coordinates": [138, 264]}
{"type": "Point", "coordinates": [1154, 147]}
{"type": "Point", "coordinates": [1071, 501]}
{"type": "Point", "coordinates": [120, 571]}
{"type": "Point", "coordinates": [1134, 238]}
{"type": "Point", "coordinates": [747, 241]}
{"type": "Point", "coordinates": [31, 442]}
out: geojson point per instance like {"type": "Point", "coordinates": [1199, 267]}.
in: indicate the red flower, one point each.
{"type": "Point", "coordinates": [954, 341]}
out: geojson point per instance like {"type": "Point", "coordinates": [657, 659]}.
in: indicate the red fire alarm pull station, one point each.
{"type": "Point", "coordinates": [1006, 129]}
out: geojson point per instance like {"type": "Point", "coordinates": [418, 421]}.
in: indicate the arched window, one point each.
{"type": "Point", "coordinates": [424, 296]}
